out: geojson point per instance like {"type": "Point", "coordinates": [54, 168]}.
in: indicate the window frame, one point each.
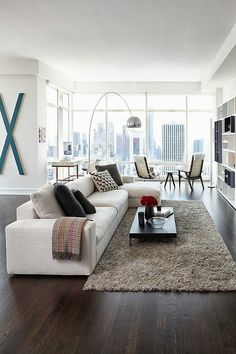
{"type": "Point", "coordinates": [60, 108]}
{"type": "Point", "coordinates": [146, 109]}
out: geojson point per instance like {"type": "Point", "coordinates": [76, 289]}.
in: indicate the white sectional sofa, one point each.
{"type": "Point", "coordinates": [29, 239]}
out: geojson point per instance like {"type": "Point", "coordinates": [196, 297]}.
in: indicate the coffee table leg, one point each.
{"type": "Point", "coordinates": [129, 241]}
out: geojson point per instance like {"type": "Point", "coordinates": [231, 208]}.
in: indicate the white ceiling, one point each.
{"type": "Point", "coordinates": [118, 40]}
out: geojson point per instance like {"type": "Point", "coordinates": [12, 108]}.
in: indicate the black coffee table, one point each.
{"type": "Point", "coordinates": [147, 231]}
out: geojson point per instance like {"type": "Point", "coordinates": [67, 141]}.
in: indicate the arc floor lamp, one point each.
{"type": "Point", "coordinates": [132, 122]}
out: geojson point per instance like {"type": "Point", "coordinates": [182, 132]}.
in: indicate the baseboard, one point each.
{"type": "Point", "coordinates": [17, 191]}
{"type": "Point", "coordinates": [231, 202]}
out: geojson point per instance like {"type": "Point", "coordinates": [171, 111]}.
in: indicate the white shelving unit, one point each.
{"type": "Point", "coordinates": [225, 150]}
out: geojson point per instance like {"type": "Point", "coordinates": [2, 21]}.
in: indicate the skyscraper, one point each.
{"type": "Point", "coordinates": [84, 144]}
{"type": "Point", "coordinates": [99, 140]}
{"type": "Point", "coordinates": [111, 139]}
{"type": "Point", "coordinates": [119, 146]}
{"type": "Point", "coordinates": [157, 153]}
{"type": "Point", "coordinates": [150, 136]}
{"type": "Point", "coordinates": [136, 146]}
{"type": "Point", "coordinates": [122, 145]}
{"type": "Point", "coordinates": [173, 142]}
{"type": "Point", "coordinates": [198, 145]}
{"type": "Point", "coordinates": [126, 144]}
{"type": "Point", "coordinates": [76, 144]}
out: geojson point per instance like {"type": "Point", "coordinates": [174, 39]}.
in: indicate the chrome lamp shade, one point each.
{"type": "Point", "coordinates": [133, 122]}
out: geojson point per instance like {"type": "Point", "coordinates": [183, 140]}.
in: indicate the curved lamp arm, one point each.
{"type": "Point", "coordinates": [91, 119]}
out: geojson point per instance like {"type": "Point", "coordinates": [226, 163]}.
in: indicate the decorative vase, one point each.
{"type": "Point", "coordinates": [149, 212]}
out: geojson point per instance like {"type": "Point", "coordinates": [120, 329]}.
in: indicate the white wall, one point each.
{"type": "Point", "coordinates": [229, 90]}
{"type": "Point", "coordinates": [41, 122]}
{"type": "Point", "coordinates": [139, 87]}
{"type": "Point", "coordinates": [31, 116]}
{"type": "Point", "coordinates": [17, 66]}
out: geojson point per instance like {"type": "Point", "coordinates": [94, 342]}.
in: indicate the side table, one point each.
{"type": "Point", "coordinates": [68, 164]}
{"type": "Point", "coordinates": [170, 178]}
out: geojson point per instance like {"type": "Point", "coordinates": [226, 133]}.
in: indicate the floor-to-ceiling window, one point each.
{"type": "Point", "coordinates": [200, 111]}
{"type": "Point", "coordinates": [173, 127]}
{"type": "Point", "coordinates": [166, 130]}
{"type": "Point", "coordinates": [123, 143]}
{"type": "Point", "coordinates": [65, 106]}
{"type": "Point", "coordinates": [83, 105]}
{"type": "Point", "coordinates": [58, 125]}
{"type": "Point", "coordinates": [52, 106]}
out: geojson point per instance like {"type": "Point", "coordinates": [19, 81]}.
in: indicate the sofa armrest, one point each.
{"type": "Point", "coordinates": [29, 249]}
{"type": "Point", "coordinates": [128, 179]}
{"type": "Point", "coordinates": [26, 211]}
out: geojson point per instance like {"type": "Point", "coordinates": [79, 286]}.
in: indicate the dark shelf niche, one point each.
{"type": "Point", "coordinates": [229, 124]}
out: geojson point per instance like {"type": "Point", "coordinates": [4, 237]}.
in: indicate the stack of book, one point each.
{"type": "Point", "coordinates": [164, 212]}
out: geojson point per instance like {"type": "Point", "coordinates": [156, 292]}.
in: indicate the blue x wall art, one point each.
{"type": "Point", "coordinates": [9, 125]}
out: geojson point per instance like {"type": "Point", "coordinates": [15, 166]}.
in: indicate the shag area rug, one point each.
{"type": "Point", "coordinates": [197, 260]}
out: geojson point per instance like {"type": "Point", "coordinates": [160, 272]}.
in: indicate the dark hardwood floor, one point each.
{"type": "Point", "coordinates": [51, 314]}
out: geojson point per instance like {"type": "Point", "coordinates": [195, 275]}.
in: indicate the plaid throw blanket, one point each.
{"type": "Point", "coordinates": [66, 238]}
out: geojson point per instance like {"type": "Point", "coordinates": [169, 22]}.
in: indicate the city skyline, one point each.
{"type": "Point", "coordinates": [122, 145]}
{"type": "Point", "coordinates": [164, 144]}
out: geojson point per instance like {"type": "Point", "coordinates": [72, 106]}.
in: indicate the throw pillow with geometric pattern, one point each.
{"type": "Point", "coordinates": [103, 181]}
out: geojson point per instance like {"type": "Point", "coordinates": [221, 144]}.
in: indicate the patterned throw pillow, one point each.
{"type": "Point", "coordinates": [113, 170]}
{"type": "Point", "coordinates": [103, 181]}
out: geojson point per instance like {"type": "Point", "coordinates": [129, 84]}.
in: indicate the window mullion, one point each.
{"type": "Point", "coordinates": [106, 132]}
{"type": "Point", "coordinates": [146, 123]}
{"type": "Point", "coordinates": [60, 152]}
{"type": "Point", "coordinates": [186, 134]}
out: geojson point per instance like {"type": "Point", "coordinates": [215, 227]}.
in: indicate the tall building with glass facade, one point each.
{"type": "Point", "coordinates": [150, 136]}
{"type": "Point", "coordinates": [198, 145]}
{"type": "Point", "coordinates": [173, 142]}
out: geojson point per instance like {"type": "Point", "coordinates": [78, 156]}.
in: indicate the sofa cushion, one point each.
{"type": "Point", "coordinates": [103, 181]}
{"type": "Point", "coordinates": [88, 207]}
{"type": "Point", "coordinates": [104, 217]}
{"type": "Point", "coordinates": [67, 201]}
{"type": "Point", "coordinates": [45, 203]}
{"type": "Point", "coordinates": [138, 189]}
{"type": "Point", "coordinates": [113, 170]}
{"type": "Point", "coordinates": [128, 179]}
{"type": "Point", "coordinates": [116, 199]}
{"type": "Point", "coordinates": [84, 184]}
